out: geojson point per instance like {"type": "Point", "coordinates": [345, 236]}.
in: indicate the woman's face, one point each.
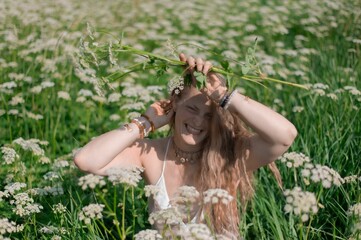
{"type": "Point", "coordinates": [192, 119]}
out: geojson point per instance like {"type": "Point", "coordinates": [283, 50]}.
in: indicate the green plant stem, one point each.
{"type": "Point", "coordinates": [124, 235]}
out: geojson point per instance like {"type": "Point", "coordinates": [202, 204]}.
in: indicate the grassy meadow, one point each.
{"type": "Point", "coordinates": [52, 102]}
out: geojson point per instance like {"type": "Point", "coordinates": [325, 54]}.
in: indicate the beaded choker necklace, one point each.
{"type": "Point", "coordinates": [184, 156]}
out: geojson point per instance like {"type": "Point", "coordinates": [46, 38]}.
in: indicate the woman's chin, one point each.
{"type": "Point", "coordinates": [193, 140]}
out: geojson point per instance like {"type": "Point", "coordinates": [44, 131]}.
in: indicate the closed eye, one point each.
{"type": "Point", "coordinates": [192, 109]}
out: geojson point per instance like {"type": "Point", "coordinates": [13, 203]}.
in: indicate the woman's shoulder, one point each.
{"type": "Point", "coordinates": [152, 157]}
{"type": "Point", "coordinates": [153, 148]}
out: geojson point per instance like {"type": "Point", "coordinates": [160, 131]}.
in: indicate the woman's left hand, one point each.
{"type": "Point", "coordinates": [215, 87]}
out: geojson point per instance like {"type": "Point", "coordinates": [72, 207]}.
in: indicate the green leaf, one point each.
{"type": "Point", "coordinates": [245, 69]}
{"type": "Point", "coordinates": [225, 64]}
{"type": "Point", "coordinates": [201, 79]}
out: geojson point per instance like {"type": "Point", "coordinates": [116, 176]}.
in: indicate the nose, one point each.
{"type": "Point", "coordinates": [198, 120]}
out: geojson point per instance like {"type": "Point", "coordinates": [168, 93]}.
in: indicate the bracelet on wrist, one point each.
{"type": "Point", "coordinates": [140, 125]}
{"type": "Point", "coordinates": [229, 100]}
{"type": "Point", "coordinates": [152, 127]}
{"type": "Point", "coordinates": [226, 100]}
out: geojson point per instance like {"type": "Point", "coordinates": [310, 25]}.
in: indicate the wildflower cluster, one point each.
{"type": "Point", "coordinates": [92, 211]}
{"type": "Point", "coordinates": [294, 159]}
{"type": "Point", "coordinates": [197, 231]}
{"type": "Point", "coordinates": [300, 203]}
{"type": "Point", "coordinates": [175, 84]}
{"type": "Point", "coordinates": [169, 216]}
{"type": "Point", "coordinates": [216, 195]}
{"type": "Point", "coordinates": [24, 205]}
{"type": "Point", "coordinates": [31, 145]}
{"type": "Point", "coordinates": [319, 173]}
{"type": "Point", "coordinates": [185, 195]}
{"type": "Point", "coordinates": [151, 190]}
{"type": "Point", "coordinates": [148, 235]}
{"type": "Point", "coordinates": [59, 208]}
{"type": "Point", "coordinates": [130, 176]}
{"type": "Point", "coordinates": [91, 181]}
{"type": "Point", "coordinates": [9, 155]}
{"type": "Point", "coordinates": [355, 210]}
{"type": "Point", "coordinates": [7, 226]}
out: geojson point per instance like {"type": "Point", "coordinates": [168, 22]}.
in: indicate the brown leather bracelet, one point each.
{"type": "Point", "coordinates": [152, 127]}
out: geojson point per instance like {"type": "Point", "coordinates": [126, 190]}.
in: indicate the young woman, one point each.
{"type": "Point", "coordinates": [210, 145]}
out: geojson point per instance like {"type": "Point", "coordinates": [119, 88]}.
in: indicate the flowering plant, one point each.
{"type": "Point", "coordinates": [95, 54]}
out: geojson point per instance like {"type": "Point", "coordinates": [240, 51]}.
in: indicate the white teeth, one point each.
{"type": "Point", "coordinates": [193, 130]}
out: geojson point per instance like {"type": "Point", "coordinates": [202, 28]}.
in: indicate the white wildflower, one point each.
{"type": "Point", "coordinates": [332, 96]}
{"type": "Point", "coordinates": [2, 112]}
{"type": "Point", "coordinates": [48, 229]}
{"type": "Point", "coordinates": [129, 175]}
{"type": "Point", "coordinates": [34, 116]}
{"type": "Point", "coordinates": [64, 95]}
{"type": "Point", "coordinates": [24, 205]}
{"type": "Point", "coordinates": [13, 112]}
{"type": "Point", "coordinates": [59, 208]}
{"type": "Point", "coordinates": [51, 176]}
{"type": "Point", "coordinates": [9, 155]}
{"type": "Point", "coordinates": [92, 211]}
{"type": "Point", "coordinates": [318, 173]}
{"type": "Point", "coordinates": [114, 97]}
{"type": "Point", "coordinates": [36, 89]}
{"type": "Point", "coordinates": [91, 181]}
{"type": "Point", "coordinates": [300, 203]}
{"type": "Point", "coordinates": [133, 106]}
{"type": "Point", "coordinates": [168, 216]}
{"type": "Point", "coordinates": [60, 164]}
{"type": "Point", "coordinates": [355, 210]}
{"type": "Point", "coordinates": [7, 226]}
{"type": "Point", "coordinates": [196, 231]}
{"type": "Point", "coordinates": [81, 99]}
{"type": "Point", "coordinates": [85, 93]}
{"type": "Point", "coordinates": [297, 109]}
{"type": "Point", "coordinates": [47, 84]}
{"type": "Point", "coordinates": [152, 190]}
{"type": "Point", "coordinates": [13, 187]}
{"type": "Point", "coordinates": [16, 100]}
{"type": "Point", "coordinates": [175, 84]}
{"type": "Point", "coordinates": [148, 235]}
{"type": "Point", "coordinates": [320, 86]}
{"type": "Point", "coordinates": [216, 195]}
{"type": "Point", "coordinates": [31, 145]}
{"type": "Point", "coordinates": [48, 190]}
{"type": "Point", "coordinates": [351, 179]}
{"type": "Point", "coordinates": [99, 99]}
{"type": "Point", "coordinates": [114, 117]}
{"type": "Point", "coordinates": [185, 195]}
{"type": "Point", "coordinates": [294, 159]}
{"type": "Point", "coordinates": [132, 115]}
{"type": "Point", "coordinates": [44, 160]}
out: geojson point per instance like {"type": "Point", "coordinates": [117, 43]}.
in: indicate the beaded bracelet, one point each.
{"type": "Point", "coordinates": [226, 100]}
{"type": "Point", "coordinates": [229, 99]}
{"type": "Point", "coordinates": [142, 131]}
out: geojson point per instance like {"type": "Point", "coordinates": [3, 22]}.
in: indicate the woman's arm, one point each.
{"type": "Point", "coordinates": [273, 133]}
{"type": "Point", "coordinates": [120, 147]}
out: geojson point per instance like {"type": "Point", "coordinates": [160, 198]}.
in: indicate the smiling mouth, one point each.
{"type": "Point", "coordinates": [193, 130]}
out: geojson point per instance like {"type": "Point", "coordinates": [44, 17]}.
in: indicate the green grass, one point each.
{"type": "Point", "coordinates": [41, 43]}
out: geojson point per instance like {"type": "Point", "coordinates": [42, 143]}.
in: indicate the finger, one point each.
{"type": "Point", "coordinates": [182, 57]}
{"type": "Point", "coordinates": [207, 67]}
{"type": "Point", "coordinates": [191, 62]}
{"type": "Point", "coordinates": [199, 64]}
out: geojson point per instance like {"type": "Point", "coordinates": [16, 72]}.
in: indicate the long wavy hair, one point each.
{"type": "Point", "coordinates": [223, 166]}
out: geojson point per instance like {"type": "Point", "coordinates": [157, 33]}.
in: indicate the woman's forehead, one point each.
{"type": "Point", "coordinates": [194, 96]}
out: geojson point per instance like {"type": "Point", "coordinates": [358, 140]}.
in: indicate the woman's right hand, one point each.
{"type": "Point", "coordinates": [160, 113]}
